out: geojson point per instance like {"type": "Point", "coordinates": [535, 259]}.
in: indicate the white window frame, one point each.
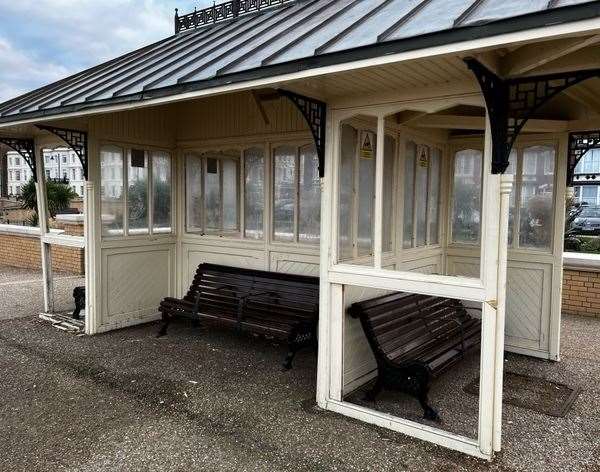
{"type": "Point", "coordinates": [126, 150]}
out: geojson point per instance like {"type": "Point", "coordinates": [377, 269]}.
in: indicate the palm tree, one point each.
{"type": "Point", "coordinates": [59, 196]}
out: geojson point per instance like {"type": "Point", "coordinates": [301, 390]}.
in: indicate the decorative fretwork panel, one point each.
{"type": "Point", "coordinates": [221, 12]}
{"type": "Point", "coordinates": [76, 140]}
{"type": "Point", "coordinates": [511, 102]}
{"type": "Point", "coordinates": [315, 114]}
{"type": "Point", "coordinates": [26, 150]}
{"type": "Point", "coordinates": [579, 144]}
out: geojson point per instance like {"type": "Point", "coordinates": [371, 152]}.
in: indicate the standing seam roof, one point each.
{"type": "Point", "coordinates": [295, 36]}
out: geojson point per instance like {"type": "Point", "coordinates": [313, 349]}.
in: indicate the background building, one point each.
{"type": "Point", "coordinates": [59, 163]}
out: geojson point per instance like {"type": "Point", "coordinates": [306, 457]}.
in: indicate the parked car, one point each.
{"type": "Point", "coordinates": [588, 222]}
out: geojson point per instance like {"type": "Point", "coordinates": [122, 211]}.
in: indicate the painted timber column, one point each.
{"type": "Point", "coordinates": [42, 210]}
{"type": "Point", "coordinates": [489, 278]}
{"type": "Point", "coordinates": [506, 185]}
{"type": "Point", "coordinates": [89, 233]}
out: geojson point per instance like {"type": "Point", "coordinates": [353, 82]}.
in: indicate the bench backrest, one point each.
{"type": "Point", "coordinates": [265, 295]}
{"type": "Point", "coordinates": [404, 326]}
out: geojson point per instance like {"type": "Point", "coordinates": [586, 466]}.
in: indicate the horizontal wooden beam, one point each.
{"type": "Point", "coordinates": [532, 56]}
{"type": "Point", "coordinates": [478, 123]}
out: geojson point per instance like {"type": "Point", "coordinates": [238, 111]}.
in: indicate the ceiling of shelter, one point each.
{"type": "Point", "coordinates": [299, 35]}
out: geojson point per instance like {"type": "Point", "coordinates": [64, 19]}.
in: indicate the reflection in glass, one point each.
{"type": "Point", "coordinates": [284, 193]}
{"type": "Point", "coordinates": [537, 197]}
{"type": "Point", "coordinates": [466, 196]}
{"type": "Point", "coordinates": [512, 170]}
{"type": "Point", "coordinates": [254, 193]}
{"type": "Point", "coordinates": [212, 194]}
{"type": "Point", "coordinates": [366, 197]}
{"type": "Point", "coordinates": [161, 192]}
{"type": "Point", "coordinates": [137, 192]}
{"type": "Point", "coordinates": [230, 194]}
{"type": "Point", "coordinates": [309, 214]}
{"type": "Point", "coordinates": [193, 192]}
{"type": "Point", "coordinates": [388, 192]}
{"type": "Point", "coordinates": [348, 155]}
{"type": "Point", "coordinates": [409, 191]}
{"type": "Point", "coordinates": [111, 188]}
{"type": "Point", "coordinates": [434, 196]}
{"type": "Point", "coordinates": [421, 193]}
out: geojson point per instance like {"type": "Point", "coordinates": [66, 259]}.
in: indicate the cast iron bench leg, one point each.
{"type": "Point", "coordinates": [287, 363]}
{"type": "Point", "coordinates": [166, 320]}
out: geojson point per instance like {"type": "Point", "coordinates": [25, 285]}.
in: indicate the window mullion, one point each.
{"type": "Point", "coordinates": [150, 194]}
{"type": "Point", "coordinates": [297, 196]}
{"type": "Point", "coordinates": [516, 230]}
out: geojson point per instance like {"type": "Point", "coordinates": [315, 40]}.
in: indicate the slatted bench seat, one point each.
{"type": "Point", "coordinates": [281, 306]}
{"type": "Point", "coordinates": [415, 338]}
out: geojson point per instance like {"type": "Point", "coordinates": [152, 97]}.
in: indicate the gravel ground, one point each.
{"type": "Point", "coordinates": [214, 400]}
{"type": "Point", "coordinates": [21, 292]}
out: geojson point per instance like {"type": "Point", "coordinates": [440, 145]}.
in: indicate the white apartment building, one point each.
{"type": "Point", "coordinates": [588, 167]}
{"type": "Point", "coordinates": [59, 163]}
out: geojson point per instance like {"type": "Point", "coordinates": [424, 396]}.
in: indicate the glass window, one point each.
{"type": "Point", "coordinates": [388, 193]}
{"type": "Point", "coordinates": [193, 192]}
{"type": "Point", "coordinates": [537, 197]}
{"type": "Point", "coordinates": [229, 195]}
{"type": "Point", "coordinates": [284, 193]}
{"type": "Point", "coordinates": [421, 193]}
{"type": "Point", "coordinates": [309, 212]}
{"type": "Point", "coordinates": [161, 192]}
{"type": "Point", "coordinates": [212, 192]}
{"type": "Point", "coordinates": [349, 138]}
{"type": "Point", "coordinates": [366, 197]}
{"type": "Point", "coordinates": [254, 193]}
{"type": "Point", "coordinates": [111, 190]}
{"type": "Point", "coordinates": [435, 168]}
{"type": "Point", "coordinates": [466, 196]}
{"type": "Point", "coordinates": [137, 192]}
{"type": "Point", "coordinates": [409, 193]}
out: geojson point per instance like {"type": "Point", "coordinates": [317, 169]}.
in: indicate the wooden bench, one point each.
{"type": "Point", "coordinates": [415, 338]}
{"type": "Point", "coordinates": [281, 306]}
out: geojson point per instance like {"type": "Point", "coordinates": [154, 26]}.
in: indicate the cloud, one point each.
{"type": "Point", "coordinates": [45, 40]}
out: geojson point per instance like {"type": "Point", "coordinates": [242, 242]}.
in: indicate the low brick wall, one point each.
{"type": "Point", "coordinates": [581, 285]}
{"type": "Point", "coordinates": [20, 247]}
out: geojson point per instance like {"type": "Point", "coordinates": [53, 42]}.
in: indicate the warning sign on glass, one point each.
{"type": "Point", "coordinates": [367, 145]}
{"type": "Point", "coordinates": [423, 155]}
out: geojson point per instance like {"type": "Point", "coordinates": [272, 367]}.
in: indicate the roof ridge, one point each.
{"type": "Point", "coordinates": [230, 9]}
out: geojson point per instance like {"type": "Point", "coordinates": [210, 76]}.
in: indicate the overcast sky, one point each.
{"type": "Point", "coordinates": [45, 40]}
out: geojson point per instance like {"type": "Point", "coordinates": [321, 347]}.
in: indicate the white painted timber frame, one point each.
{"type": "Point", "coordinates": [334, 277]}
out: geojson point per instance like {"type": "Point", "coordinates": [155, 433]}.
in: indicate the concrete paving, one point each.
{"type": "Point", "coordinates": [217, 401]}
{"type": "Point", "coordinates": [21, 292]}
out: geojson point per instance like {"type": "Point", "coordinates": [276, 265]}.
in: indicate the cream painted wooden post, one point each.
{"type": "Point", "coordinates": [489, 276]}
{"type": "Point", "coordinates": [42, 210]}
{"type": "Point", "coordinates": [91, 315]}
{"type": "Point", "coordinates": [506, 184]}
{"type": "Point", "coordinates": [323, 358]}
{"type": "Point", "coordinates": [379, 166]}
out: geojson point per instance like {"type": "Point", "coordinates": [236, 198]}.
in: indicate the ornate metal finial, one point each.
{"type": "Point", "coordinates": [177, 27]}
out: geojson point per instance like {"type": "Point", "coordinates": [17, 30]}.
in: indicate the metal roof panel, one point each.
{"type": "Point", "coordinates": [287, 37]}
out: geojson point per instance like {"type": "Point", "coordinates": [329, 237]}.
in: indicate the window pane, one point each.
{"type": "Point", "coordinates": [112, 202]}
{"type": "Point", "coordinates": [409, 190]}
{"type": "Point", "coordinates": [422, 183]}
{"type": "Point", "coordinates": [137, 192]}
{"type": "Point", "coordinates": [466, 197]}
{"type": "Point", "coordinates": [388, 192]}
{"type": "Point", "coordinates": [230, 195]}
{"type": "Point", "coordinates": [212, 194]}
{"type": "Point", "coordinates": [254, 193]}
{"type": "Point", "coordinates": [537, 197]}
{"type": "Point", "coordinates": [309, 215]}
{"type": "Point", "coordinates": [348, 156]}
{"type": "Point", "coordinates": [435, 170]}
{"type": "Point", "coordinates": [284, 193]}
{"type": "Point", "coordinates": [511, 170]}
{"type": "Point", "coordinates": [161, 192]}
{"type": "Point", "coordinates": [193, 192]}
{"type": "Point", "coordinates": [366, 195]}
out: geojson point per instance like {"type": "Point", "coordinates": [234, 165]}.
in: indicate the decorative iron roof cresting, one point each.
{"type": "Point", "coordinates": [221, 12]}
